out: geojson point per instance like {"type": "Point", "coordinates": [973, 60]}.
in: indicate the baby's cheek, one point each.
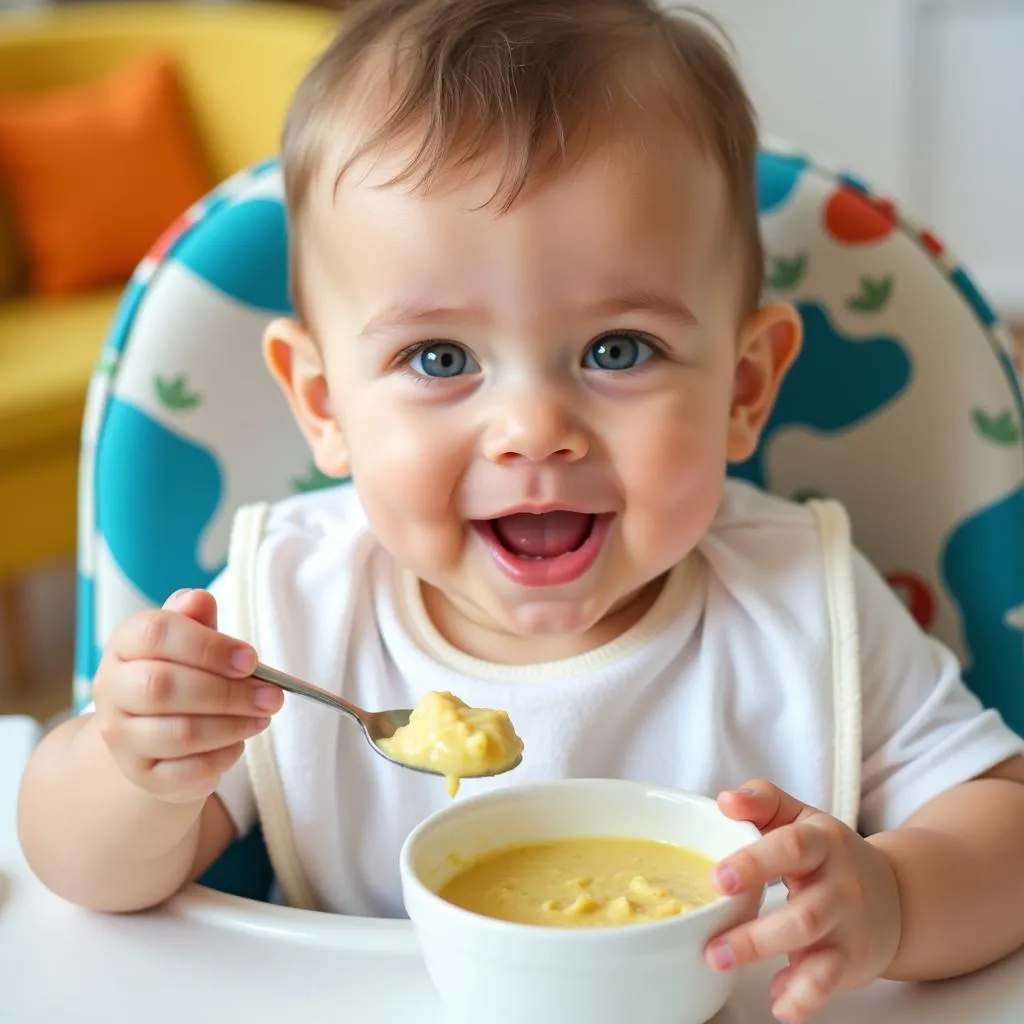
{"type": "Point", "coordinates": [404, 490]}
{"type": "Point", "coordinates": [408, 501]}
{"type": "Point", "coordinates": [411, 467]}
{"type": "Point", "coordinates": [672, 487]}
{"type": "Point", "coordinates": [428, 549]}
{"type": "Point", "coordinates": [673, 460]}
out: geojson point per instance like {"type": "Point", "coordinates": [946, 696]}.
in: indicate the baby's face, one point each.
{"type": "Point", "coordinates": [537, 406]}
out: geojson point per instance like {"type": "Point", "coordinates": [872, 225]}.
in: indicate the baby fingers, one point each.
{"type": "Point", "coordinates": [175, 736]}
{"type": "Point", "coordinates": [802, 989]}
{"type": "Point", "coordinates": [794, 851]}
{"type": "Point", "coordinates": [802, 922]}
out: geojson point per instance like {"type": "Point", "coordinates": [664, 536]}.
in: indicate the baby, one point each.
{"type": "Point", "coordinates": [527, 271]}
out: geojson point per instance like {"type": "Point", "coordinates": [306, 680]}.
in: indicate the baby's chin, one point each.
{"type": "Point", "coordinates": [520, 626]}
{"type": "Point", "coordinates": [592, 621]}
{"type": "Point", "coordinates": [547, 617]}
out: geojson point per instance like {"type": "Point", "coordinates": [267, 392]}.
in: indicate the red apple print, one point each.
{"type": "Point", "coordinates": [163, 244]}
{"type": "Point", "coordinates": [856, 219]}
{"type": "Point", "coordinates": [916, 595]}
{"type": "Point", "coordinates": [932, 243]}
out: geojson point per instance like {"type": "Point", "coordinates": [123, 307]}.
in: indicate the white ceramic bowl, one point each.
{"type": "Point", "coordinates": [501, 973]}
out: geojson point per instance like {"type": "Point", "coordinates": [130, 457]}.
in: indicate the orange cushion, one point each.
{"type": "Point", "coordinates": [94, 173]}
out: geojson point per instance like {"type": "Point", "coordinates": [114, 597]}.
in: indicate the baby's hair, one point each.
{"type": "Point", "coordinates": [528, 80]}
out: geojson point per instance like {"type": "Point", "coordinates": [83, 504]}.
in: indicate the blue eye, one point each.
{"type": "Point", "coordinates": [617, 351]}
{"type": "Point", "coordinates": [443, 359]}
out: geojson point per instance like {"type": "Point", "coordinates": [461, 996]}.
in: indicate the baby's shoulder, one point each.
{"type": "Point", "coordinates": [300, 565]}
{"type": "Point", "coordinates": [761, 540]}
{"type": "Point", "coordinates": [748, 517]}
{"type": "Point", "coordinates": [314, 516]}
{"type": "Point", "coordinates": [303, 536]}
{"type": "Point", "coordinates": [745, 507]}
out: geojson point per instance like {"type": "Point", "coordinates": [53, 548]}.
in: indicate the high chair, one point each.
{"type": "Point", "coordinates": [905, 405]}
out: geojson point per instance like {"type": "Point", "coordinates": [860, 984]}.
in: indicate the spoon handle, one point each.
{"type": "Point", "coordinates": [276, 677]}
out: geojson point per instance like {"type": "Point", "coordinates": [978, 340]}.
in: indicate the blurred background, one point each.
{"type": "Point", "coordinates": [924, 99]}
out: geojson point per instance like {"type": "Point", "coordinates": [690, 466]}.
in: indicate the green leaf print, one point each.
{"type": "Point", "coordinates": [107, 363]}
{"type": "Point", "coordinates": [787, 272]}
{"type": "Point", "coordinates": [875, 293]}
{"type": "Point", "coordinates": [1001, 429]}
{"type": "Point", "coordinates": [314, 480]}
{"type": "Point", "coordinates": [174, 394]}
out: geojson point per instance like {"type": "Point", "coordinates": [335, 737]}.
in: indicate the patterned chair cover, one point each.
{"type": "Point", "coordinates": [905, 405]}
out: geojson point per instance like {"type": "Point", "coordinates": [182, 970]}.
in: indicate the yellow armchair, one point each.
{"type": "Point", "coordinates": [239, 64]}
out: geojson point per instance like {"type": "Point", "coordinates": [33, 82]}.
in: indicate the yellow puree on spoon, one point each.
{"type": "Point", "coordinates": [445, 735]}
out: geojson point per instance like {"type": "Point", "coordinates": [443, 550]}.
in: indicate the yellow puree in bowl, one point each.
{"type": "Point", "coordinates": [446, 736]}
{"type": "Point", "coordinates": [584, 883]}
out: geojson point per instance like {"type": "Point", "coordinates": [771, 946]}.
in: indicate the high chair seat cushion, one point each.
{"type": "Point", "coordinates": [904, 405]}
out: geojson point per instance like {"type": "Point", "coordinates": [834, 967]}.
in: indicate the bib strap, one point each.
{"type": "Point", "coordinates": [837, 549]}
{"type": "Point", "coordinates": [247, 530]}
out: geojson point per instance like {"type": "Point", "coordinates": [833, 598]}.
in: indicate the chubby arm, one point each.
{"type": "Point", "coordinates": [118, 809]}
{"type": "Point", "coordinates": [959, 867]}
{"type": "Point", "coordinates": [939, 896]}
{"type": "Point", "coordinates": [96, 839]}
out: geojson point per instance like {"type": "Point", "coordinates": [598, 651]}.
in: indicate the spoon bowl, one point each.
{"type": "Point", "coordinates": [376, 725]}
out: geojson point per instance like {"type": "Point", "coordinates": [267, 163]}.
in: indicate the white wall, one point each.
{"type": "Point", "coordinates": [924, 98]}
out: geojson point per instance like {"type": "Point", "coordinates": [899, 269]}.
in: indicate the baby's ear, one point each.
{"type": "Point", "coordinates": [294, 360]}
{"type": "Point", "coordinates": [769, 342]}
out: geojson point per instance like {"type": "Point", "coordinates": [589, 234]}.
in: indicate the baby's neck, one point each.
{"type": "Point", "coordinates": [473, 635]}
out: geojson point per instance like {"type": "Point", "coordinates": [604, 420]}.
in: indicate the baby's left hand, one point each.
{"type": "Point", "coordinates": [841, 924]}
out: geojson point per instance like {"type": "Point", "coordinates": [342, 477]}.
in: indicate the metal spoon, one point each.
{"type": "Point", "coordinates": [376, 725]}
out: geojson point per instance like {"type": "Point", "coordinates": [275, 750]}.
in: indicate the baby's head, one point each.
{"type": "Point", "coordinates": [527, 266]}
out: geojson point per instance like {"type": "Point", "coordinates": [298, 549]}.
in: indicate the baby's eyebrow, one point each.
{"type": "Point", "coordinates": [663, 305]}
{"type": "Point", "coordinates": [410, 313]}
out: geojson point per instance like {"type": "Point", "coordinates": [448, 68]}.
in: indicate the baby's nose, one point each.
{"type": "Point", "coordinates": [535, 428]}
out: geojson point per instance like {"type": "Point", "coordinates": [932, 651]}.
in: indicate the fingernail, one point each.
{"type": "Point", "coordinates": [745, 791]}
{"type": "Point", "coordinates": [178, 594]}
{"type": "Point", "coordinates": [243, 659]}
{"type": "Point", "coordinates": [727, 878]}
{"type": "Point", "coordinates": [722, 956]}
{"type": "Point", "coordinates": [266, 697]}
{"type": "Point", "coordinates": [259, 724]}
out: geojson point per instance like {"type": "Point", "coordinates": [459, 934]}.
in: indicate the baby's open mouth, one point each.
{"type": "Point", "coordinates": [545, 549]}
{"type": "Point", "coordinates": [544, 534]}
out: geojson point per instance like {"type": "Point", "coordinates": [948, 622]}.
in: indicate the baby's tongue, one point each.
{"type": "Point", "coordinates": [546, 535]}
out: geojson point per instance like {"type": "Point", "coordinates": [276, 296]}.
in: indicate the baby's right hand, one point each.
{"type": "Point", "coordinates": [175, 700]}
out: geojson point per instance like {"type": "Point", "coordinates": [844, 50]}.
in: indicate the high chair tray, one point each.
{"type": "Point", "coordinates": [206, 957]}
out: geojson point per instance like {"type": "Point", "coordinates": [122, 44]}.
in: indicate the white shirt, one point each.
{"type": "Point", "coordinates": [728, 677]}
